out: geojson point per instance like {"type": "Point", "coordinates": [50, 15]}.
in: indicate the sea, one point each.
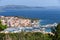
{"type": "Point", "coordinates": [47, 16]}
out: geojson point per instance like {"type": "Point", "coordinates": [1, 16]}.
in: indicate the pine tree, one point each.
{"type": "Point", "coordinates": [2, 27]}
{"type": "Point", "coordinates": [57, 34]}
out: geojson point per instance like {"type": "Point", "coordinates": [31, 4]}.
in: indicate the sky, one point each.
{"type": "Point", "coordinates": [30, 2]}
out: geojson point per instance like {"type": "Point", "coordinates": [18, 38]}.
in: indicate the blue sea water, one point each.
{"type": "Point", "coordinates": [48, 30]}
{"type": "Point", "coordinates": [47, 16]}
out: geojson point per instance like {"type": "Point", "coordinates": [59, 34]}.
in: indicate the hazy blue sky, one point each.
{"type": "Point", "coordinates": [30, 2]}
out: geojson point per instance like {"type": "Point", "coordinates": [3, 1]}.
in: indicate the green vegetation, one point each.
{"type": "Point", "coordinates": [30, 35]}
{"type": "Point", "coordinates": [2, 35]}
{"type": "Point", "coordinates": [26, 36]}
{"type": "Point", "coordinates": [2, 27]}
{"type": "Point", "coordinates": [57, 32]}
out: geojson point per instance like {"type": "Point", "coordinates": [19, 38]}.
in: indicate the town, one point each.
{"type": "Point", "coordinates": [16, 24]}
{"type": "Point", "coordinates": [12, 21]}
{"type": "Point", "coordinates": [22, 26]}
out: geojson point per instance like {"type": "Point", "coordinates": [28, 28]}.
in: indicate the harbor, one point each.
{"type": "Point", "coordinates": [19, 24]}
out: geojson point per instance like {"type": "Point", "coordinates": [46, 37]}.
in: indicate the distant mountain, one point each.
{"type": "Point", "coordinates": [19, 7]}
{"type": "Point", "coordinates": [16, 7]}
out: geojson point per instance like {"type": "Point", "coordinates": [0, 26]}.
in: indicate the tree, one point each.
{"type": "Point", "coordinates": [53, 30]}
{"type": "Point", "coordinates": [2, 27]}
{"type": "Point", "coordinates": [57, 33]}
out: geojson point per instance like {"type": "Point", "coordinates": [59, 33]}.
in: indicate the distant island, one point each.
{"type": "Point", "coordinates": [26, 7]}
{"type": "Point", "coordinates": [17, 7]}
